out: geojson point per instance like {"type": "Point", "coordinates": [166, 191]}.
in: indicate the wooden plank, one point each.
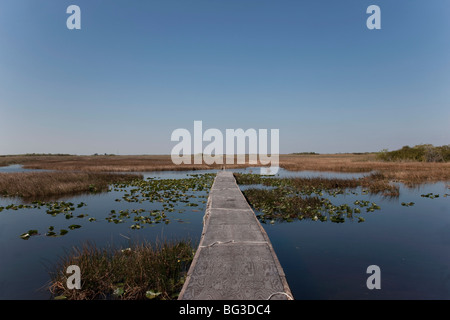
{"type": "Point", "coordinates": [235, 259]}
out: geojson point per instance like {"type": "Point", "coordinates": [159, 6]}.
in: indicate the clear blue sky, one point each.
{"type": "Point", "coordinates": [137, 70]}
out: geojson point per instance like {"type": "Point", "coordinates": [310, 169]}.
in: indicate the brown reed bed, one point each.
{"type": "Point", "coordinates": [329, 162]}
{"type": "Point", "coordinates": [142, 271]}
{"type": "Point", "coordinates": [105, 163]}
{"type": "Point", "coordinates": [408, 172]}
{"type": "Point", "coordinates": [42, 185]}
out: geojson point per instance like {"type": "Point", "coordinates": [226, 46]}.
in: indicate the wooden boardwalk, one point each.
{"type": "Point", "coordinates": [235, 259]}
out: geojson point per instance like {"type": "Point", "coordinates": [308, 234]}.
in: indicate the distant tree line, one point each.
{"type": "Point", "coordinates": [422, 153]}
{"type": "Point", "coordinates": [37, 155]}
{"type": "Point", "coordinates": [304, 153]}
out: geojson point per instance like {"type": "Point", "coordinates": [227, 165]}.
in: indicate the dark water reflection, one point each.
{"type": "Point", "coordinates": [411, 245]}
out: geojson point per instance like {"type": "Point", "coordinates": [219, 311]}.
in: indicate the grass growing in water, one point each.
{"type": "Point", "coordinates": [171, 194]}
{"type": "Point", "coordinates": [375, 183]}
{"type": "Point", "coordinates": [142, 271]}
{"type": "Point", "coordinates": [407, 171]}
{"type": "Point", "coordinates": [42, 185]}
{"type": "Point", "coordinates": [302, 198]}
{"type": "Point", "coordinates": [280, 204]}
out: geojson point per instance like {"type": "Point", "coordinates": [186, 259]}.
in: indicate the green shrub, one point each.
{"type": "Point", "coordinates": [422, 153]}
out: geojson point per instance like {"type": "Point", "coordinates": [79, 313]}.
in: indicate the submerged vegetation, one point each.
{"type": "Point", "coordinates": [141, 271]}
{"type": "Point", "coordinates": [168, 194]}
{"type": "Point", "coordinates": [290, 199]}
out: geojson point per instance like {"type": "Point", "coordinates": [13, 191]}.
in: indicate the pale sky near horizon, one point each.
{"type": "Point", "coordinates": [137, 70]}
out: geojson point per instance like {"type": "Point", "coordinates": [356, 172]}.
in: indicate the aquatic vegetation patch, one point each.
{"type": "Point", "coordinates": [53, 209]}
{"type": "Point", "coordinates": [139, 272]}
{"type": "Point", "coordinates": [171, 194]}
{"type": "Point", "coordinates": [305, 198]}
{"type": "Point", "coordinates": [43, 185]}
{"type": "Point", "coordinates": [279, 205]}
{"type": "Point", "coordinates": [28, 234]}
{"type": "Point", "coordinates": [430, 195]}
{"type": "Point", "coordinates": [408, 204]}
{"type": "Point", "coordinates": [374, 183]}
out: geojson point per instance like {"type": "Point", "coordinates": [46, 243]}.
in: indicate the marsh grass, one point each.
{"type": "Point", "coordinates": [407, 171]}
{"type": "Point", "coordinates": [410, 173]}
{"type": "Point", "coordinates": [43, 185]}
{"type": "Point", "coordinates": [140, 271]}
{"type": "Point", "coordinates": [105, 163]}
{"type": "Point", "coordinates": [277, 203]}
{"type": "Point", "coordinates": [309, 198]}
{"type": "Point", "coordinates": [375, 183]}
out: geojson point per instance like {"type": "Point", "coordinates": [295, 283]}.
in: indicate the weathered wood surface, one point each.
{"type": "Point", "coordinates": [235, 259]}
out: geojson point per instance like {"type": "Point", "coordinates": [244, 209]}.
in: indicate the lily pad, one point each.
{"type": "Point", "coordinates": [118, 291]}
{"type": "Point", "coordinates": [27, 235]}
{"type": "Point", "coordinates": [152, 294]}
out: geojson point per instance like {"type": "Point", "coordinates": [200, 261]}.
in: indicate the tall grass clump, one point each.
{"type": "Point", "coordinates": [142, 271]}
{"type": "Point", "coordinates": [43, 185]}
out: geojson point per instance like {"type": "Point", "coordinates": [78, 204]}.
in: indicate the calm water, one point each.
{"type": "Point", "coordinates": [411, 245]}
{"type": "Point", "coordinates": [322, 260]}
{"type": "Point", "coordinates": [18, 168]}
